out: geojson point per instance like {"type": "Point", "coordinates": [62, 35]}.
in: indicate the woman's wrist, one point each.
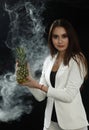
{"type": "Point", "coordinates": [44, 88]}
{"type": "Point", "coordinates": [35, 84]}
{"type": "Point", "coordinates": [41, 87]}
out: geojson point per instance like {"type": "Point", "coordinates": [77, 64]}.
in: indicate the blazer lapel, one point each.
{"type": "Point", "coordinates": [49, 68]}
{"type": "Point", "coordinates": [60, 71]}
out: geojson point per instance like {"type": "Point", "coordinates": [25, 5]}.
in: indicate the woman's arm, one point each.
{"type": "Point", "coordinates": [38, 89]}
{"type": "Point", "coordinates": [34, 84]}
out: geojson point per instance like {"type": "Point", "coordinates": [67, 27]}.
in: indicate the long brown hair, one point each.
{"type": "Point", "coordinates": [73, 47]}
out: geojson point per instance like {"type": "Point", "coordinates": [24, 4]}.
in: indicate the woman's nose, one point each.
{"type": "Point", "coordinates": [59, 40]}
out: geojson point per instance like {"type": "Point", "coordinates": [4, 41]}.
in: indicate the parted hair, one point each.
{"type": "Point", "coordinates": [73, 48]}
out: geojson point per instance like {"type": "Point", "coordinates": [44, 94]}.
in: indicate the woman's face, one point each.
{"type": "Point", "coordinates": [60, 39]}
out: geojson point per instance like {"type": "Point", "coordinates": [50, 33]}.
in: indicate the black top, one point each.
{"type": "Point", "coordinates": [52, 80]}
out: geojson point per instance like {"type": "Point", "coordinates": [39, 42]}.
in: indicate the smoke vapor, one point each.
{"type": "Point", "coordinates": [26, 29]}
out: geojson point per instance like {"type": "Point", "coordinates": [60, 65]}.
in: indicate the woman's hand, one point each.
{"type": "Point", "coordinates": [29, 82]}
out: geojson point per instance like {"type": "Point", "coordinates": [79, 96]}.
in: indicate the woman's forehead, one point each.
{"type": "Point", "coordinates": [59, 30]}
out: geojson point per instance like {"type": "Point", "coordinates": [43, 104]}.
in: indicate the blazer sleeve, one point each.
{"type": "Point", "coordinates": [72, 88]}
{"type": "Point", "coordinates": [37, 93]}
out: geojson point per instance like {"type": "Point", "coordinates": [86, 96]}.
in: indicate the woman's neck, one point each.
{"type": "Point", "coordinates": [60, 55]}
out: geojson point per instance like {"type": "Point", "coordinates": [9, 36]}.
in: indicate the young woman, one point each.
{"type": "Point", "coordinates": [63, 74]}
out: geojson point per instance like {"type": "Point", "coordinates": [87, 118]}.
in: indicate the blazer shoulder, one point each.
{"type": "Point", "coordinates": [76, 63]}
{"type": "Point", "coordinates": [47, 59]}
{"type": "Point", "coordinates": [75, 59]}
{"type": "Point", "coordinates": [73, 63]}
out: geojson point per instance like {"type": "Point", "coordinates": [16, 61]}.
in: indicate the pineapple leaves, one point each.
{"type": "Point", "coordinates": [21, 55]}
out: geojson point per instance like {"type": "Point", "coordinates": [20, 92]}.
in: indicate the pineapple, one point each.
{"type": "Point", "coordinates": [22, 71]}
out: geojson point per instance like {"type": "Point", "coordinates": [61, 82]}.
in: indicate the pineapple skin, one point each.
{"type": "Point", "coordinates": [22, 73]}
{"type": "Point", "coordinates": [22, 69]}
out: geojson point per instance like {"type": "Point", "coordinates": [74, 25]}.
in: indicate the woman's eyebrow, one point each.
{"type": "Point", "coordinates": [58, 34]}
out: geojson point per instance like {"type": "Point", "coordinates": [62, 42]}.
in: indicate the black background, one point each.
{"type": "Point", "coordinates": [77, 12]}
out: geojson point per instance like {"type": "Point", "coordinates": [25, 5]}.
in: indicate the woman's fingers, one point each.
{"type": "Point", "coordinates": [17, 63]}
{"type": "Point", "coordinates": [28, 67]}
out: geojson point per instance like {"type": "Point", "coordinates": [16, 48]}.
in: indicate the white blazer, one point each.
{"type": "Point", "coordinates": [66, 94]}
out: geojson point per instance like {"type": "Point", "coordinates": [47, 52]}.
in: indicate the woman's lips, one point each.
{"type": "Point", "coordinates": [60, 45]}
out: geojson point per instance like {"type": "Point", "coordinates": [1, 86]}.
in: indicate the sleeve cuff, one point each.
{"type": "Point", "coordinates": [50, 92]}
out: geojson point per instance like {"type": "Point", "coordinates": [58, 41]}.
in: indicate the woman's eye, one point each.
{"type": "Point", "coordinates": [64, 35]}
{"type": "Point", "coordinates": [55, 36]}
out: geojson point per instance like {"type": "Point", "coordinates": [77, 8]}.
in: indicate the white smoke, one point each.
{"type": "Point", "coordinates": [13, 96]}
{"type": "Point", "coordinates": [27, 30]}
